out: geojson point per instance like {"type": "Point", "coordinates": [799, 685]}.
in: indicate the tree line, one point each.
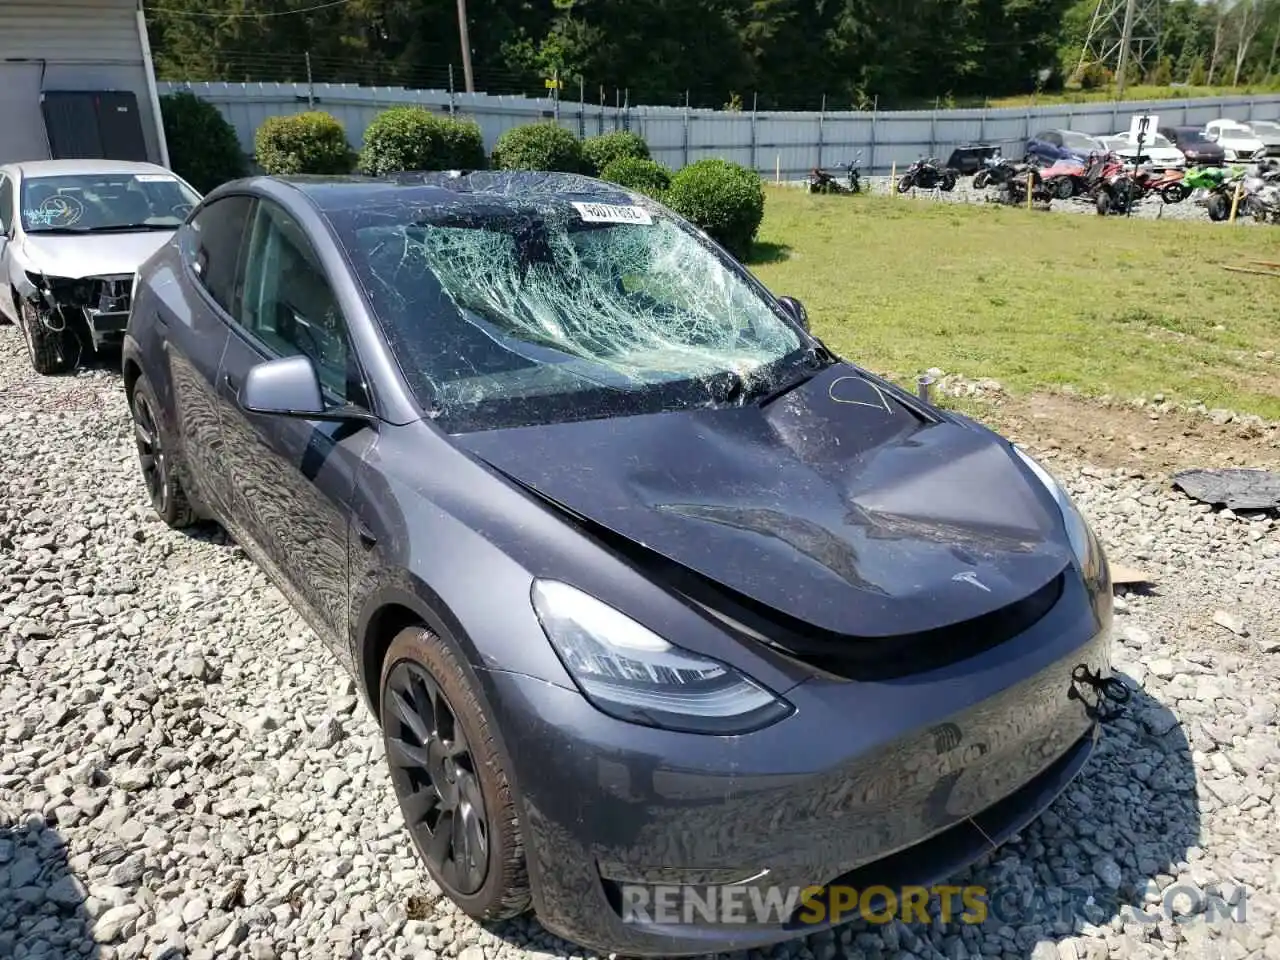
{"type": "Point", "coordinates": [774, 54]}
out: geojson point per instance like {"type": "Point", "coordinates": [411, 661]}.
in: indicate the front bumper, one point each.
{"type": "Point", "coordinates": [866, 783]}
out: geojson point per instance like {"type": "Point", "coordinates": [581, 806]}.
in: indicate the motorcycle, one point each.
{"type": "Point", "coordinates": [1169, 185]}
{"type": "Point", "coordinates": [1013, 191]}
{"type": "Point", "coordinates": [928, 173]}
{"type": "Point", "coordinates": [1065, 179]}
{"type": "Point", "coordinates": [822, 182]}
{"type": "Point", "coordinates": [997, 170]}
{"type": "Point", "coordinates": [1261, 198]}
{"type": "Point", "coordinates": [1221, 195]}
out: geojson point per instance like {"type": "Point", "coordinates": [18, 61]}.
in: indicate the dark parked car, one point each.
{"type": "Point", "coordinates": [1199, 150]}
{"type": "Point", "coordinates": [643, 584]}
{"type": "Point", "coordinates": [1049, 146]}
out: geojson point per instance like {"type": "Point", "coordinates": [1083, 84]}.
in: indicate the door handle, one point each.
{"type": "Point", "coordinates": [231, 384]}
{"type": "Point", "coordinates": [367, 539]}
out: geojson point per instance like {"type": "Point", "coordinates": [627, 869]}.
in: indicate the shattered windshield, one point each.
{"type": "Point", "coordinates": [511, 316]}
{"type": "Point", "coordinates": [88, 203]}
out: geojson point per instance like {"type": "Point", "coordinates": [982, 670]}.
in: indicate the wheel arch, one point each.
{"type": "Point", "coordinates": [389, 611]}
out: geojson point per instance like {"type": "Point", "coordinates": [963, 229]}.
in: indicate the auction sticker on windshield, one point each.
{"type": "Point", "coordinates": [611, 213]}
{"type": "Point", "coordinates": [154, 178]}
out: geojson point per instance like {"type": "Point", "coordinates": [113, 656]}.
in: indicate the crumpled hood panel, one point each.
{"type": "Point", "coordinates": [834, 505]}
{"type": "Point", "coordinates": [90, 255]}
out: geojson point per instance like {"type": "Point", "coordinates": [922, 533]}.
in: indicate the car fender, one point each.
{"type": "Point", "coordinates": [20, 265]}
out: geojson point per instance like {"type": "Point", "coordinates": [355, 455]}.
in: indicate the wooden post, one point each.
{"type": "Point", "coordinates": [1235, 201]}
{"type": "Point", "coordinates": [893, 179]}
{"type": "Point", "coordinates": [1030, 175]}
{"type": "Point", "coordinates": [777, 168]}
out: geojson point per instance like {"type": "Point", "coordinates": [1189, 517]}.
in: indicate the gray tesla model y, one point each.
{"type": "Point", "coordinates": [647, 588]}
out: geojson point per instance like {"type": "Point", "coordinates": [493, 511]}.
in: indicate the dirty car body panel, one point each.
{"type": "Point", "coordinates": [909, 598]}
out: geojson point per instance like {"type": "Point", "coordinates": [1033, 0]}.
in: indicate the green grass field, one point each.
{"type": "Point", "coordinates": [1035, 300]}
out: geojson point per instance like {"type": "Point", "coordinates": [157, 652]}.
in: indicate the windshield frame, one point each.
{"type": "Point", "coordinates": [583, 401]}
{"type": "Point", "coordinates": [33, 226]}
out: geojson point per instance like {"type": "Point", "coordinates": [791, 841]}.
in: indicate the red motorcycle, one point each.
{"type": "Point", "coordinates": [1065, 179]}
{"type": "Point", "coordinates": [1167, 184]}
{"type": "Point", "coordinates": [1073, 178]}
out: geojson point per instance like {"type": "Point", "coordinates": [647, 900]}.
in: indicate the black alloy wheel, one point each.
{"type": "Point", "coordinates": [435, 776]}
{"type": "Point", "coordinates": [157, 460]}
{"type": "Point", "coordinates": [152, 457]}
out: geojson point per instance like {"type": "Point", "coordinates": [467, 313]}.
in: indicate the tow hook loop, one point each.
{"type": "Point", "coordinates": [1110, 694]}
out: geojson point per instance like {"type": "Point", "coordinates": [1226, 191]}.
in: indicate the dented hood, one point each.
{"type": "Point", "coordinates": [834, 504]}
{"type": "Point", "coordinates": [90, 255]}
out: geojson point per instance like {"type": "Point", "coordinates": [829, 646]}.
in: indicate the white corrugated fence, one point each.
{"type": "Point", "coordinates": [788, 142]}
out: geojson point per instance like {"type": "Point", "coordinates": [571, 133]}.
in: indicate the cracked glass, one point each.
{"type": "Point", "coordinates": [506, 314]}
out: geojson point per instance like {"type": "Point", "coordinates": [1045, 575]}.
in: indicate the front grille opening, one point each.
{"type": "Point", "coordinates": [884, 658]}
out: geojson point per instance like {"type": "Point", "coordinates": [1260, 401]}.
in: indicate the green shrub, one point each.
{"type": "Point", "coordinates": [312, 142]}
{"type": "Point", "coordinates": [724, 199]}
{"type": "Point", "coordinates": [538, 146]}
{"type": "Point", "coordinates": [598, 152]}
{"type": "Point", "coordinates": [414, 138]}
{"type": "Point", "coordinates": [203, 147]}
{"type": "Point", "coordinates": [642, 176]}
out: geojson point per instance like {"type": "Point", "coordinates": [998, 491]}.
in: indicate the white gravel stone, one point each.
{"type": "Point", "coordinates": [157, 750]}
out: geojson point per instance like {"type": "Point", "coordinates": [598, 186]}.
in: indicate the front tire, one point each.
{"type": "Point", "coordinates": [906, 183]}
{"type": "Point", "coordinates": [948, 181]}
{"type": "Point", "coordinates": [158, 458]}
{"type": "Point", "coordinates": [1102, 203]}
{"type": "Point", "coordinates": [1219, 208]}
{"type": "Point", "coordinates": [449, 779]}
{"type": "Point", "coordinates": [50, 349]}
{"type": "Point", "coordinates": [980, 179]}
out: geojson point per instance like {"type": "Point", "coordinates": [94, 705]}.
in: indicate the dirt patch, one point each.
{"type": "Point", "coordinates": [1123, 436]}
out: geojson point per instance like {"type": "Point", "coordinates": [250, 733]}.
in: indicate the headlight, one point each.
{"type": "Point", "coordinates": [1083, 543]}
{"type": "Point", "coordinates": [629, 672]}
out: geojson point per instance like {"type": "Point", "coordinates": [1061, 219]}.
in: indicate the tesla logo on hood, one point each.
{"type": "Point", "coordinates": [971, 577]}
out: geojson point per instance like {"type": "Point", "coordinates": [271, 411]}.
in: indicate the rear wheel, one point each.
{"type": "Point", "coordinates": [449, 779]}
{"type": "Point", "coordinates": [158, 458]}
{"type": "Point", "coordinates": [1218, 207]}
{"type": "Point", "coordinates": [948, 181]}
{"type": "Point", "coordinates": [1102, 203]}
{"type": "Point", "coordinates": [980, 179]}
{"type": "Point", "coordinates": [1064, 189]}
{"type": "Point", "coordinates": [1175, 193]}
{"type": "Point", "coordinates": [51, 344]}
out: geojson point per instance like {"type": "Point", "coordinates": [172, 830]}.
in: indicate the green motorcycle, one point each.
{"type": "Point", "coordinates": [1218, 183]}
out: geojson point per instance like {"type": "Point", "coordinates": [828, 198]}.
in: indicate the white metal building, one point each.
{"type": "Point", "coordinates": [94, 57]}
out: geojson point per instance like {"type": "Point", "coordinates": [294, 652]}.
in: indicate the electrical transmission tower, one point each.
{"type": "Point", "coordinates": [1122, 31]}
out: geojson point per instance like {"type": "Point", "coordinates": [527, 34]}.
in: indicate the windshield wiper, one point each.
{"type": "Point", "coordinates": [131, 228]}
{"type": "Point", "coordinates": [43, 230]}
{"type": "Point", "coordinates": [813, 361]}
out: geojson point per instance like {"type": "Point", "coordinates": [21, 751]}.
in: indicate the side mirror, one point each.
{"type": "Point", "coordinates": [796, 309]}
{"type": "Point", "coordinates": [290, 387]}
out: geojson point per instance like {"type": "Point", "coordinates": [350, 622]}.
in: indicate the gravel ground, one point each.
{"type": "Point", "coordinates": [164, 792]}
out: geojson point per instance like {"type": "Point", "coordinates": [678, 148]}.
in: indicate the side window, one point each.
{"type": "Point", "coordinates": [288, 303]}
{"type": "Point", "coordinates": [6, 204]}
{"type": "Point", "coordinates": [212, 247]}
